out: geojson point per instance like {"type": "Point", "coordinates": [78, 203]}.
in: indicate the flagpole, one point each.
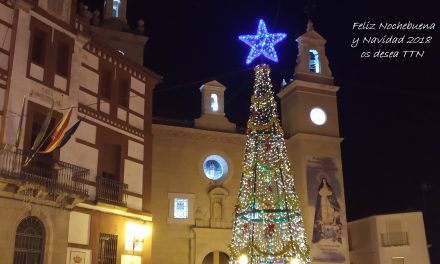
{"type": "Point", "coordinates": [43, 129]}
{"type": "Point", "coordinates": [31, 156]}
{"type": "Point", "coordinates": [20, 125]}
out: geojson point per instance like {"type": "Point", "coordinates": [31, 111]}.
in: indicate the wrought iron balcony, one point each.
{"type": "Point", "coordinates": [111, 191]}
{"type": "Point", "coordinates": [49, 178]}
{"type": "Point", "coordinates": [394, 239]}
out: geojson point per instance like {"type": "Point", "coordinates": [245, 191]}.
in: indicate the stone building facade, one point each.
{"type": "Point", "coordinates": [196, 176]}
{"type": "Point", "coordinates": [88, 202]}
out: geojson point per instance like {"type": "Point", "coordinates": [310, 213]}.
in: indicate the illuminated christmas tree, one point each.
{"type": "Point", "coordinates": [268, 226]}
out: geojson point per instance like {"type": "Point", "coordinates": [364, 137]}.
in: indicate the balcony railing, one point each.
{"type": "Point", "coordinates": [394, 239]}
{"type": "Point", "coordinates": [55, 177]}
{"type": "Point", "coordinates": [111, 191]}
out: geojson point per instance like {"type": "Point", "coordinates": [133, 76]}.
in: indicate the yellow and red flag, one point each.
{"type": "Point", "coordinates": [58, 133]}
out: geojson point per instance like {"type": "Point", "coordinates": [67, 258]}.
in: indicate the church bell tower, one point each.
{"type": "Point", "coordinates": [115, 9]}
{"type": "Point", "coordinates": [111, 28]}
{"type": "Point", "coordinates": [213, 106]}
{"type": "Point", "coordinates": [310, 121]}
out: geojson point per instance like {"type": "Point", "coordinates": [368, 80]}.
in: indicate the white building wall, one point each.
{"type": "Point", "coordinates": [137, 85]}
{"type": "Point", "coordinates": [363, 241]}
{"type": "Point", "coordinates": [412, 224]}
{"type": "Point", "coordinates": [89, 78]}
{"type": "Point", "coordinates": [366, 245]}
{"type": "Point", "coordinates": [133, 176]}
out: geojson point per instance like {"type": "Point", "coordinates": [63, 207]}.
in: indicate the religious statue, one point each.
{"type": "Point", "coordinates": [217, 209]}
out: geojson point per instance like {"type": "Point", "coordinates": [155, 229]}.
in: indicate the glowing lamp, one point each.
{"type": "Point", "coordinates": [135, 235]}
{"type": "Point", "coordinates": [243, 259]}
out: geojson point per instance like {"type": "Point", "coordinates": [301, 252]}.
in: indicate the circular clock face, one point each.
{"type": "Point", "coordinates": [318, 116]}
{"type": "Point", "coordinates": [215, 167]}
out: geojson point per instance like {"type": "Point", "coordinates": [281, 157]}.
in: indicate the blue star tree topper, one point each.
{"type": "Point", "coordinates": [263, 43]}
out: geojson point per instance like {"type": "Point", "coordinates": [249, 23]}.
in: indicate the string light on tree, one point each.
{"type": "Point", "coordinates": [268, 226]}
{"type": "Point", "coordinates": [294, 260]}
{"type": "Point", "coordinates": [243, 259]}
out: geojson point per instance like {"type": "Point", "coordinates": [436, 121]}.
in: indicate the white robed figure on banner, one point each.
{"type": "Point", "coordinates": [327, 222]}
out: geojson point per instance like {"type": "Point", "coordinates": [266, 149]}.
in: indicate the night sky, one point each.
{"type": "Point", "coordinates": [388, 107]}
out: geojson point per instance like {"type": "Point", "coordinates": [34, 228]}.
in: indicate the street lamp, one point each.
{"type": "Point", "coordinates": [135, 235]}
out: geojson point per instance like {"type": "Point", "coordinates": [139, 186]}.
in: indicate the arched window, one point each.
{"type": "Point", "coordinates": [214, 102]}
{"type": "Point", "coordinates": [29, 242]}
{"type": "Point", "coordinates": [223, 258]}
{"type": "Point", "coordinates": [116, 6]}
{"type": "Point", "coordinates": [314, 65]}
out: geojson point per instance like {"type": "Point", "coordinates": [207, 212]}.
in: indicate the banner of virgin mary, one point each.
{"type": "Point", "coordinates": [324, 196]}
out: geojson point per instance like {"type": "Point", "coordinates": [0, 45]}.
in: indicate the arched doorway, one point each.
{"type": "Point", "coordinates": [216, 257]}
{"type": "Point", "coordinates": [29, 242]}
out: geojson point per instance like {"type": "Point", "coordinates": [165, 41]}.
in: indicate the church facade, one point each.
{"type": "Point", "coordinates": [196, 177]}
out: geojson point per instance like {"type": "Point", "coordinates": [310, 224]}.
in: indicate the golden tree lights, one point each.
{"type": "Point", "coordinates": [268, 226]}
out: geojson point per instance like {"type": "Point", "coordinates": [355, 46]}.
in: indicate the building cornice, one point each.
{"type": "Point", "coordinates": [116, 211]}
{"type": "Point", "coordinates": [197, 134]}
{"type": "Point", "coordinates": [305, 86]}
{"type": "Point", "coordinates": [306, 136]}
{"type": "Point", "coordinates": [133, 68]}
{"type": "Point", "coordinates": [114, 124]}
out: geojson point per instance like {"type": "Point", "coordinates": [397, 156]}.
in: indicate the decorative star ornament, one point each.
{"type": "Point", "coordinates": [263, 43]}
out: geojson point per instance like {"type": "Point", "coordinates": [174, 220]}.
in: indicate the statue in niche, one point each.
{"type": "Point", "coordinates": [217, 217]}
{"type": "Point", "coordinates": [214, 102]}
{"type": "Point", "coordinates": [217, 209]}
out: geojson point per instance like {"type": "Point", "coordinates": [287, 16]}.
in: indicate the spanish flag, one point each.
{"type": "Point", "coordinates": [58, 133]}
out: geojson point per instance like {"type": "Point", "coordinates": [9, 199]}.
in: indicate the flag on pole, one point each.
{"type": "Point", "coordinates": [59, 136]}
{"type": "Point", "coordinates": [43, 130]}
{"type": "Point", "coordinates": [68, 134]}
{"type": "Point", "coordinates": [20, 125]}
{"type": "Point", "coordinates": [58, 133]}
